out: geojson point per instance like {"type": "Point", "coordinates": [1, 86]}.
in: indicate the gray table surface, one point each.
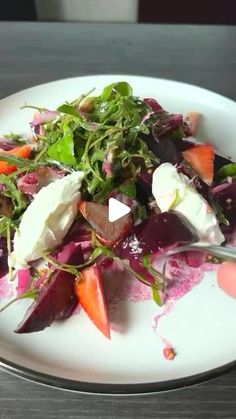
{"type": "Point", "coordinates": [33, 53]}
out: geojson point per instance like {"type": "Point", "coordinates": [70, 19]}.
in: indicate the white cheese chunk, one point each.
{"type": "Point", "coordinates": [172, 190]}
{"type": "Point", "coordinates": [47, 219]}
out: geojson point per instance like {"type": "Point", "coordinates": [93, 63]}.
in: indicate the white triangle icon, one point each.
{"type": "Point", "coordinates": [116, 209]}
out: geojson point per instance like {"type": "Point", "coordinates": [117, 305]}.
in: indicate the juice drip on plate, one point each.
{"type": "Point", "coordinates": [182, 278]}
{"type": "Point", "coordinates": [167, 308]}
{"type": "Point", "coordinates": [120, 286]}
{"type": "Point", "coordinates": [6, 288]}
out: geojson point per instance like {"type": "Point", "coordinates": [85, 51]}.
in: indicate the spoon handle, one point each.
{"type": "Point", "coordinates": [222, 252]}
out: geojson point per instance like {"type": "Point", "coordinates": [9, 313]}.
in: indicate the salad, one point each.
{"type": "Point", "coordinates": [56, 241]}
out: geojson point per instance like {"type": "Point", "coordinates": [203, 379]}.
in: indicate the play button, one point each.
{"type": "Point", "coordinates": [116, 209]}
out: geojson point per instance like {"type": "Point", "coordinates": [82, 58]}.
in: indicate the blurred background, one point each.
{"type": "Point", "coordinates": [142, 11]}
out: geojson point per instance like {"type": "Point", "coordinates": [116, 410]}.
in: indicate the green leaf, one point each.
{"type": "Point", "coordinates": [177, 134]}
{"type": "Point", "coordinates": [90, 126]}
{"type": "Point", "coordinates": [63, 149]}
{"type": "Point", "coordinates": [31, 293]}
{"type": "Point", "coordinates": [128, 188]}
{"type": "Point", "coordinates": [87, 125]}
{"type": "Point", "coordinates": [69, 110]}
{"type": "Point", "coordinates": [103, 191]}
{"type": "Point", "coordinates": [157, 276]}
{"type": "Point", "coordinates": [75, 269]}
{"type": "Point", "coordinates": [11, 191]}
{"type": "Point", "coordinates": [4, 224]}
{"type": "Point", "coordinates": [146, 261]}
{"type": "Point", "coordinates": [218, 210]}
{"type": "Point", "coordinates": [156, 296]}
{"type": "Point", "coordinates": [123, 88]}
{"type": "Point", "coordinates": [143, 129]}
{"type": "Point", "coordinates": [227, 170]}
{"type": "Point", "coordinates": [113, 121]}
{"type": "Point", "coordinates": [98, 155]}
{"type": "Point", "coordinates": [17, 161]}
{"type": "Point", "coordinates": [16, 137]}
{"type": "Point", "coordinates": [140, 212]}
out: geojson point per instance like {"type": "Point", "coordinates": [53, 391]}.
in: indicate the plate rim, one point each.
{"type": "Point", "coordinates": [58, 382]}
{"type": "Point", "coordinates": [121, 75]}
{"type": "Point", "coordinates": [110, 389]}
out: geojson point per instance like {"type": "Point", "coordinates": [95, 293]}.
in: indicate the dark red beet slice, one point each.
{"type": "Point", "coordinates": [57, 300]}
{"type": "Point", "coordinates": [3, 256]}
{"type": "Point", "coordinates": [158, 232]}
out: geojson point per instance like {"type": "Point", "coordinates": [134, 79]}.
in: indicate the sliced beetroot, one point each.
{"type": "Point", "coordinates": [57, 299]}
{"type": "Point", "coordinates": [3, 256]}
{"type": "Point", "coordinates": [108, 232]}
{"type": "Point", "coordinates": [195, 258]}
{"type": "Point", "coordinates": [164, 230]}
{"type": "Point", "coordinates": [23, 280]}
{"type": "Point", "coordinates": [70, 254]}
{"type": "Point", "coordinates": [145, 177]}
{"type": "Point", "coordinates": [165, 149]}
{"type": "Point", "coordinates": [144, 186]}
{"type": "Point", "coordinates": [79, 232]}
{"type": "Point", "coordinates": [159, 232]}
{"type": "Point", "coordinates": [136, 264]}
{"type": "Point", "coordinates": [168, 152]}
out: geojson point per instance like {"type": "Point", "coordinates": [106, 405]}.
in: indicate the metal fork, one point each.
{"type": "Point", "coordinates": [221, 252]}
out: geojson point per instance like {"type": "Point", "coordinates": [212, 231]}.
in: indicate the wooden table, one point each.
{"type": "Point", "coordinates": [33, 53]}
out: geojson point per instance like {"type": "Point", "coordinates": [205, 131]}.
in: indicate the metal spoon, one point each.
{"type": "Point", "coordinates": [222, 252]}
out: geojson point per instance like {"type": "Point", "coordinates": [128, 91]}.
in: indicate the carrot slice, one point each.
{"type": "Point", "coordinates": [90, 293]}
{"type": "Point", "coordinates": [23, 151]}
{"type": "Point", "coordinates": [201, 159]}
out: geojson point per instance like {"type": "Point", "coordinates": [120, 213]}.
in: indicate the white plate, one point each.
{"type": "Point", "coordinates": [74, 355]}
